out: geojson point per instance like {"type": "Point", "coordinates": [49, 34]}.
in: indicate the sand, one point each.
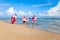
{"type": "Point", "coordinates": [10, 31]}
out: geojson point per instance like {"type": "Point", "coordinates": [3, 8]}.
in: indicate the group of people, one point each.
{"type": "Point", "coordinates": [24, 19]}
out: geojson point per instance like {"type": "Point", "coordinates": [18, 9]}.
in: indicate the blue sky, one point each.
{"type": "Point", "coordinates": [40, 8]}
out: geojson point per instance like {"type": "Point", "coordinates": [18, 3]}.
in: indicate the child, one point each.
{"type": "Point", "coordinates": [25, 19]}
{"type": "Point", "coordinates": [34, 18]}
{"type": "Point", "coordinates": [13, 19]}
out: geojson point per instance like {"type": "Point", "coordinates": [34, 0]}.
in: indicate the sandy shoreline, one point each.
{"type": "Point", "coordinates": [23, 32]}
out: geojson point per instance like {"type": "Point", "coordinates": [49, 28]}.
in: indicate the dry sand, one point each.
{"type": "Point", "coordinates": [23, 32]}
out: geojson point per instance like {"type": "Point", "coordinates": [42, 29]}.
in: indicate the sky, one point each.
{"type": "Point", "coordinates": [40, 8]}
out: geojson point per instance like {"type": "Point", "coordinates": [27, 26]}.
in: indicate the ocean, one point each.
{"type": "Point", "coordinates": [47, 24]}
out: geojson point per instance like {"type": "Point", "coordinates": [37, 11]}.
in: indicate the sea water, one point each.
{"type": "Point", "coordinates": [47, 24]}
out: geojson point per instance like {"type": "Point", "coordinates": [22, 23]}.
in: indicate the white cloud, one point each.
{"type": "Point", "coordinates": [55, 11]}
{"type": "Point", "coordinates": [10, 11]}
{"type": "Point", "coordinates": [21, 13]}
{"type": "Point", "coordinates": [42, 14]}
{"type": "Point", "coordinates": [4, 4]}
{"type": "Point", "coordinates": [1, 14]}
{"type": "Point", "coordinates": [30, 13]}
{"type": "Point", "coordinates": [38, 5]}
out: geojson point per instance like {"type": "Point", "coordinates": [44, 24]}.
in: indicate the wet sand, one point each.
{"type": "Point", "coordinates": [10, 31]}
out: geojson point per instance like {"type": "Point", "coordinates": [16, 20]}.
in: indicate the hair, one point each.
{"type": "Point", "coordinates": [15, 14]}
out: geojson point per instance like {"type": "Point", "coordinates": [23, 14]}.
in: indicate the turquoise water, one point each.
{"type": "Point", "coordinates": [48, 24]}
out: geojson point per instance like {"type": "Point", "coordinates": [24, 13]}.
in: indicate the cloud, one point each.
{"type": "Point", "coordinates": [30, 13]}
{"type": "Point", "coordinates": [1, 14]}
{"type": "Point", "coordinates": [38, 5]}
{"type": "Point", "coordinates": [55, 11]}
{"type": "Point", "coordinates": [42, 14]}
{"type": "Point", "coordinates": [21, 13]}
{"type": "Point", "coordinates": [10, 11]}
{"type": "Point", "coordinates": [4, 4]}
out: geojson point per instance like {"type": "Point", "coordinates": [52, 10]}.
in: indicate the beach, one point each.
{"type": "Point", "coordinates": [10, 31]}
